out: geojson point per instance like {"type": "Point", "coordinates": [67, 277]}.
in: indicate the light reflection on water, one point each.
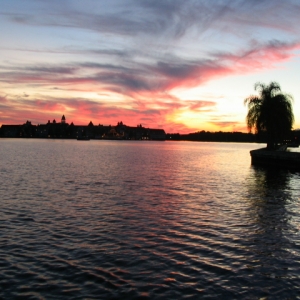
{"type": "Point", "coordinates": [162, 220]}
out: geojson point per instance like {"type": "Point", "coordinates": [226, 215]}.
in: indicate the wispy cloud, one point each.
{"type": "Point", "coordinates": [158, 17]}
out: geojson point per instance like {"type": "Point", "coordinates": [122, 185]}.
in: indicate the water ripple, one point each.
{"type": "Point", "coordinates": [150, 221]}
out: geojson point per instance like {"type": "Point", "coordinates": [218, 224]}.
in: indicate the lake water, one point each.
{"type": "Point", "coordinates": [145, 220]}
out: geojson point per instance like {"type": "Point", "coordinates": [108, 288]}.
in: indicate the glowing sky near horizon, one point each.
{"type": "Point", "coordinates": [183, 66]}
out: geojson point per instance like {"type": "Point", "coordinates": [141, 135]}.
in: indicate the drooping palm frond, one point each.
{"type": "Point", "coordinates": [253, 116]}
{"type": "Point", "coordinates": [271, 111]}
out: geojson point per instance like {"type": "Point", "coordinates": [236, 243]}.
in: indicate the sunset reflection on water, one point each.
{"type": "Point", "coordinates": [131, 219]}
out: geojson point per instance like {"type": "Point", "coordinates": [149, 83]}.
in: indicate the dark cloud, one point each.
{"type": "Point", "coordinates": [281, 48]}
{"type": "Point", "coordinates": [176, 70]}
{"type": "Point", "coordinates": [51, 70]}
{"type": "Point", "coordinates": [99, 66]}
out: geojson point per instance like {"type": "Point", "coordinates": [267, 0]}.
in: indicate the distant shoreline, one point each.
{"type": "Point", "coordinates": [63, 130]}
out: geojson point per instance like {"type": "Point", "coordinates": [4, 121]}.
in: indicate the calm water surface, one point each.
{"type": "Point", "coordinates": [145, 220]}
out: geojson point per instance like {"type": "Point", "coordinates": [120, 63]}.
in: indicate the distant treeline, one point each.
{"type": "Point", "coordinates": [220, 136]}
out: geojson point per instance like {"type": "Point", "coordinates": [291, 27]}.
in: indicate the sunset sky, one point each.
{"type": "Point", "coordinates": [183, 66]}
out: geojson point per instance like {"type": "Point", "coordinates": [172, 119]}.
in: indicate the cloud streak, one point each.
{"type": "Point", "coordinates": [175, 17]}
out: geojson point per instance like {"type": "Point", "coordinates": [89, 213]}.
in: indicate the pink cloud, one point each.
{"type": "Point", "coordinates": [259, 57]}
{"type": "Point", "coordinates": [256, 58]}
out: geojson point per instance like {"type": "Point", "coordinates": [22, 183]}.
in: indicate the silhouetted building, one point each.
{"type": "Point", "coordinates": [64, 130]}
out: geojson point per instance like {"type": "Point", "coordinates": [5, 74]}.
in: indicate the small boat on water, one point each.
{"type": "Point", "coordinates": [83, 138]}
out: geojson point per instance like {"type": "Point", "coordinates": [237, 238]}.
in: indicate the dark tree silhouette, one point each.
{"type": "Point", "coordinates": [270, 112]}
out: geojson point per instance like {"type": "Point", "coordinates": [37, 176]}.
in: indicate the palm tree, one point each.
{"type": "Point", "coordinates": [271, 112]}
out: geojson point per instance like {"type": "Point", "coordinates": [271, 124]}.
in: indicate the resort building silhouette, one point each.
{"type": "Point", "coordinates": [71, 131]}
